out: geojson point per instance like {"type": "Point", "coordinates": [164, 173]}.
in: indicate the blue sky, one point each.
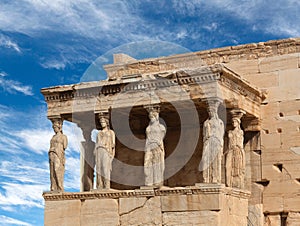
{"type": "Point", "coordinates": [46, 43]}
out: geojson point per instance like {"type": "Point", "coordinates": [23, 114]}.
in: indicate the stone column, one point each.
{"type": "Point", "coordinates": [213, 139]}
{"type": "Point", "coordinates": [235, 163]}
{"type": "Point", "coordinates": [87, 159]}
{"type": "Point", "coordinates": [104, 152]}
{"type": "Point", "coordinates": [56, 153]}
{"type": "Point", "coordinates": [154, 162]}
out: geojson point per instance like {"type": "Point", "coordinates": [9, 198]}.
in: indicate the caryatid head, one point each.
{"type": "Point", "coordinates": [236, 122]}
{"type": "Point", "coordinates": [237, 114]}
{"type": "Point", "coordinates": [104, 122]}
{"type": "Point", "coordinates": [153, 115]}
{"type": "Point", "coordinates": [57, 125]}
{"type": "Point", "coordinates": [213, 109]}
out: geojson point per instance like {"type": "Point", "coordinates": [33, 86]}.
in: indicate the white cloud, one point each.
{"type": "Point", "coordinates": [58, 65]}
{"type": "Point", "coordinates": [36, 135]}
{"type": "Point", "coordinates": [23, 183]}
{"type": "Point", "coordinates": [65, 16]}
{"type": "Point", "coordinates": [12, 86]}
{"type": "Point", "coordinates": [6, 42]}
{"type": "Point", "coordinates": [38, 139]}
{"type": "Point", "coordinates": [279, 18]}
{"type": "Point", "coordinates": [72, 178]}
{"type": "Point", "coordinates": [11, 221]}
{"type": "Point", "coordinates": [3, 74]}
{"type": "Point", "coordinates": [24, 173]}
{"type": "Point", "coordinates": [211, 27]}
{"type": "Point", "coordinates": [89, 27]}
{"type": "Point", "coordinates": [8, 142]}
{"type": "Point", "coordinates": [22, 195]}
{"type": "Point", "coordinates": [79, 27]}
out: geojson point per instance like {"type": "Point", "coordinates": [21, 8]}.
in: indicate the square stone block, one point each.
{"type": "Point", "coordinates": [178, 203]}
{"type": "Point", "coordinates": [127, 205]}
{"type": "Point", "coordinates": [293, 219]}
{"type": "Point", "coordinates": [147, 213]}
{"type": "Point", "coordinates": [64, 213]}
{"type": "Point", "coordinates": [202, 218]}
{"type": "Point", "coordinates": [99, 212]}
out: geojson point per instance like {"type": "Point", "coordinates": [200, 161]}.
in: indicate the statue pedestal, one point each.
{"type": "Point", "coordinates": [202, 204]}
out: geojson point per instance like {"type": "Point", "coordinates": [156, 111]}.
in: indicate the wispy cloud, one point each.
{"type": "Point", "coordinates": [279, 18]}
{"type": "Point", "coordinates": [54, 64]}
{"type": "Point", "coordinates": [65, 16]}
{"type": "Point", "coordinates": [35, 140]}
{"type": "Point", "coordinates": [24, 172]}
{"type": "Point", "coordinates": [3, 74]}
{"type": "Point", "coordinates": [11, 221]}
{"type": "Point", "coordinates": [23, 182]}
{"type": "Point", "coordinates": [72, 180]}
{"type": "Point", "coordinates": [6, 42]}
{"type": "Point", "coordinates": [83, 29]}
{"type": "Point", "coordinates": [22, 195]}
{"type": "Point", "coordinates": [31, 173]}
{"type": "Point", "coordinates": [13, 87]}
{"type": "Point", "coordinates": [34, 136]}
{"type": "Point", "coordinates": [38, 139]}
{"type": "Point", "coordinates": [79, 27]}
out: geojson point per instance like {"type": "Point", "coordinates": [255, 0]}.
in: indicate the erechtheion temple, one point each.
{"type": "Point", "coordinates": [203, 138]}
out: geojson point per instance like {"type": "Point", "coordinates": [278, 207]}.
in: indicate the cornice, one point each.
{"type": "Point", "coordinates": [116, 194]}
{"type": "Point", "coordinates": [199, 76]}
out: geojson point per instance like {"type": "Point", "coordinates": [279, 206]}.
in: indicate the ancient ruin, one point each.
{"type": "Point", "coordinates": [58, 144]}
{"type": "Point", "coordinates": [154, 160]}
{"type": "Point", "coordinates": [221, 128]}
{"type": "Point", "coordinates": [104, 154]}
{"type": "Point", "coordinates": [235, 160]}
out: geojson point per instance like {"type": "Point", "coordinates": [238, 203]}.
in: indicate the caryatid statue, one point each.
{"type": "Point", "coordinates": [154, 163]}
{"type": "Point", "coordinates": [58, 144]}
{"type": "Point", "coordinates": [235, 164]}
{"type": "Point", "coordinates": [104, 154]}
{"type": "Point", "coordinates": [213, 140]}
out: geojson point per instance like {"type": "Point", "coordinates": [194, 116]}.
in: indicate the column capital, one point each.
{"type": "Point", "coordinates": [56, 118]}
{"type": "Point", "coordinates": [212, 103]}
{"type": "Point", "coordinates": [152, 107]}
{"type": "Point", "coordinates": [237, 113]}
{"type": "Point", "coordinates": [103, 114]}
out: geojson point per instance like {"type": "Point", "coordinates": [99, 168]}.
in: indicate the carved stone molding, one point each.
{"type": "Point", "coordinates": [202, 82]}
{"type": "Point", "coordinates": [114, 194]}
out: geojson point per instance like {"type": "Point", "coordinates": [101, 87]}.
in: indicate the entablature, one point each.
{"type": "Point", "coordinates": [198, 85]}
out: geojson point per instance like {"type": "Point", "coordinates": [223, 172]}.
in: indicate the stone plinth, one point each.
{"type": "Point", "coordinates": [203, 204]}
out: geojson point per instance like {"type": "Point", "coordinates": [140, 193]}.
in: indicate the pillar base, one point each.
{"type": "Point", "coordinates": [204, 204]}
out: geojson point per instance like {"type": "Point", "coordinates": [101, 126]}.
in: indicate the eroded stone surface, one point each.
{"type": "Point", "coordinates": [213, 142]}
{"type": "Point", "coordinates": [99, 212]}
{"type": "Point", "coordinates": [204, 218]}
{"type": "Point", "coordinates": [154, 160]}
{"type": "Point", "coordinates": [272, 66]}
{"type": "Point", "coordinates": [104, 153]}
{"type": "Point", "coordinates": [147, 214]}
{"type": "Point", "coordinates": [190, 202]}
{"type": "Point", "coordinates": [235, 154]}
{"type": "Point", "coordinates": [58, 144]}
{"type": "Point", "coordinates": [215, 204]}
{"type": "Point", "coordinates": [127, 205]}
{"type": "Point", "coordinates": [293, 219]}
{"type": "Point", "coordinates": [62, 213]}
